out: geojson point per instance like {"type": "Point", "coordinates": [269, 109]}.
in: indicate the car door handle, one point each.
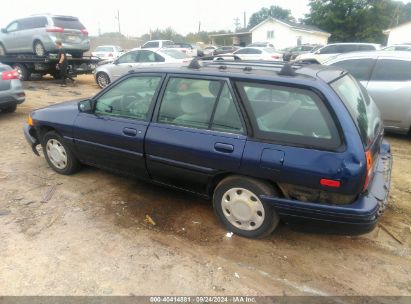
{"type": "Point", "coordinates": [129, 131]}
{"type": "Point", "coordinates": [225, 148]}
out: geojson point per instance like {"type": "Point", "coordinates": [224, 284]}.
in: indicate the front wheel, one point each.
{"type": "Point", "coordinates": [102, 80]}
{"type": "Point", "coordinates": [58, 154]}
{"type": "Point", "coordinates": [237, 203]}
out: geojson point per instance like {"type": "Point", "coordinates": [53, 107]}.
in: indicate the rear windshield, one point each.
{"type": "Point", "coordinates": [104, 49]}
{"type": "Point", "coordinates": [174, 54]}
{"type": "Point", "coordinates": [68, 23]}
{"type": "Point", "coordinates": [362, 108]}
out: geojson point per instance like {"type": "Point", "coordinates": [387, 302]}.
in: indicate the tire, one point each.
{"type": "Point", "coordinates": [2, 50]}
{"type": "Point", "coordinates": [102, 80]}
{"type": "Point", "coordinates": [58, 154]}
{"type": "Point", "coordinates": [10, 109]}
{"type": "Point", "coordinates": [38, 49]}
{"type": "Point", "coordinates": [247, 215]}
{"type": "Point", "coordinates": [23, 71]}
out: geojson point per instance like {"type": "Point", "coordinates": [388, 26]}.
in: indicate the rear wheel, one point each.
{"type": "Point", "coordinates": [102, 80]}
{"type": "Point", "coordinates": [24, 73]}
{"type": "Point", "coordinates": [2, 50]}
{"type": "Point", "coordinates": [10, 109]}
{"type": "Point", "coordinates": [38, 49]}
{"type": "Point", "coordinates": [58, 154]}
{"type": "Point", "coordinates": [238, 205]}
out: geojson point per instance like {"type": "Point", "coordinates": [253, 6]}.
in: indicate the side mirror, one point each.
{"type": "Point", "coordinates": [3, 30]}
{"type": "Point", "coordinates": [317, 52]}
{"type": "Point", "coordinates": [85, 106]}
{"type": "Point", "coordinates": [115, 62]}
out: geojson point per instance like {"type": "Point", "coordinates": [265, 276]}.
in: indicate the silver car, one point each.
{"type": "Point", "coordinates": [11, 91]}
{"type": "Point", "coordinates": [138, 58]}
{"type": "Point", "coordinates": [38, 35]}
{"type": "Point", "coordinates": [387, 77]}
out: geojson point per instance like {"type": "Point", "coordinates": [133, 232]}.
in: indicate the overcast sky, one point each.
{"type": "Point", "coordinates": [139, 16]}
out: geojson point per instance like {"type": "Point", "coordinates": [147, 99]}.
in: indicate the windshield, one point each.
{"type": "Point", "coordinates": [174, 54]}
{"type": "Point", "coordinates": [104, 49]}
{"type": "Point", "coordinates": [362, 108]}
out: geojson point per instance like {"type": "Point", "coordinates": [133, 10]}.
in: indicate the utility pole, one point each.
{"type": "Point", "coordinates": [99, 29]}
{"type": "Point", "coordinates": [199, 26]}
{"type": "Point", "coordinates": [118, 20]}
{"type": "Point", "coordinates": [245, 20]}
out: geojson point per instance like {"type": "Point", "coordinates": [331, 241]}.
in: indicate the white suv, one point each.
{"type": "Point", "coordinates": [335, 49]}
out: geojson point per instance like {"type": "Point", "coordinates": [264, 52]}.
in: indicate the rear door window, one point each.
{"type": "Point", "coordinates": [392, 70]}
{"type": "Point", "coordinates": [189, 102]}
{"type": "Point", "coordinates": [32, 23]}
{"type": "Point", "coordinates": [366, 47]}
{"type": "Point", "coordinates": [290, 115]}
{"type": "Point", "coordinates": [346, 48]}
{"type": "Point", "coordinates": [68, 23]}
{"type": "Point", "coordinates": [359, 68]}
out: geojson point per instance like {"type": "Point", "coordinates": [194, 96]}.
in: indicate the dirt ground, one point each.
{"type": "Point", "coordinates": [88, 234]}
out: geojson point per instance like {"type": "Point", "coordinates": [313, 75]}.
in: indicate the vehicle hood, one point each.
{"type": "Point", "coordinates": [58, 114]}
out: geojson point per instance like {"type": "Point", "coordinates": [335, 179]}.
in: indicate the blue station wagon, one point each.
{"type": "Point", "coordinates": [266, 142]}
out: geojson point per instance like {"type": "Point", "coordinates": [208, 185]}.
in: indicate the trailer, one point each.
{"type": "Point", "coordinates": [26, 65]}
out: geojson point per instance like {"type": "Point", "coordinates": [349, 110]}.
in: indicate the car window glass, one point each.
{"type": "Point", "coordinates": [392, 70]}
{"type": "Point", "coordinates": [346, 48]}
{"type": "Point", "coordinates": [68, 23]}
{"type": "Point", "coordinates": [130, 57]}
{"type": "Point", "coordinates": [13, 27]}
{"type": "Point", "coordinates": [359, 68]}
{"type": "Point", "coordinates": [254, 51]}
{"type": "Point", "coordinates": [189, 102]}
{"type": "Point", "coordinates": [226, 117]}
{"type": "Point", "coordinates": [366, 47]}
{"type": "Point", "coordinates": [291, 115]}
{"type": "Point", "coordinates": [32, 23]}
{"type": "Point", "coordinates": [147, 56]}
{"type": "Point", "coordinates": [331, 49]}
{"type": "Point", "coordinates": [130, 98]}
{"type": "Point", "coordinates": [242, 51]}
{"type": "Point", "coordinates": [153, 44]}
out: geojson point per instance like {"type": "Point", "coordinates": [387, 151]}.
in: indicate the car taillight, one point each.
{"type": "Point", "coordinates": [275, 57]}
{"type": "Point", "coordinates": [184, 51]}
{"type": "Point", "coordinates": [110, 55]}
{"type": "Point", "coordinates": [84, 32]}
{"type": "Point", "coordinates": [9, 75]}
{"type": "Point", "coordinates": [55, 29]}
{"type": "Point", "coordinates": [369, 160]}
{"type": "Point", "coordinates": [330, 183]}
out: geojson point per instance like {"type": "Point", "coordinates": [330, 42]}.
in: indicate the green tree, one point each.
{"type": "Point", "coordinates": [355, 20]}
{"type": "Point", "coordinates": [272, 11]}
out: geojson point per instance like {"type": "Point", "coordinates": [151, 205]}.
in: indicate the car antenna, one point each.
{"type": "Point", "coordinates": [194, 64]}
{"type": "Point", "coordinates": [287, 70]}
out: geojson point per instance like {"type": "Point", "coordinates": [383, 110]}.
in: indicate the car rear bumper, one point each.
{"type": "Point", "coordinates": [359, 217]}
{"type": "Point", "coordinates": [31, 137]}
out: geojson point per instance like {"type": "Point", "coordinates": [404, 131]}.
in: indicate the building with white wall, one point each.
{"type": "Point", "coordinates": [399, 35]}
{"type": "Point", "coordinates": [280, 33]}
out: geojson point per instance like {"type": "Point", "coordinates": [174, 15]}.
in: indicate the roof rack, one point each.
{"type": "Point", "coordinates": [286, 68]}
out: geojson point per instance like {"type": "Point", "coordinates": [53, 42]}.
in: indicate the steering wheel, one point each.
{"type": "Point", "coordinates": [134, 104]}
